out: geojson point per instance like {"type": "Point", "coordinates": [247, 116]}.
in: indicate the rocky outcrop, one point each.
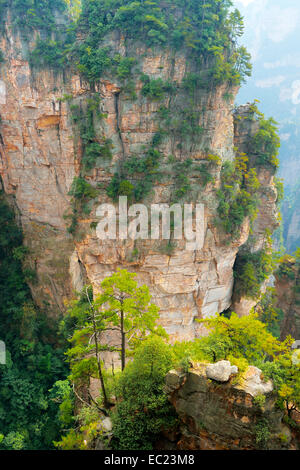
{"type": "Point", "coordinates": [221, 371]}
{"type": "Point", "coordinates": [238, 414]}
{"type": "Point", "coordinates": [40, 156]}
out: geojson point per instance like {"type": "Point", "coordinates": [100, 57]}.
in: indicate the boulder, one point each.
{"type": "Point", "coordinates": [221, 371]}
{"type": "Point", "coordinates": [253, 383]}
{"type": "Point", "coordinates": [106, 424]}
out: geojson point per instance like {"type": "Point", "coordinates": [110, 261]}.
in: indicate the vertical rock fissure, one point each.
{"type": "Point", "coordinates": [117, 110]}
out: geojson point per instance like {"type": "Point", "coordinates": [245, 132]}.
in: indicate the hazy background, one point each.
{"type": "Point", "coordinates": [272, 36]}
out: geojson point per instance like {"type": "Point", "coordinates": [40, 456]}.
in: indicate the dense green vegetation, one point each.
{"type": "Point", "coordinates": [135, 397]}
{"type": "Point", "coordinates": [252, 269]}
{"type": "Point", "coordinates": [265, 143]}
{"type": "Point", "coordinates": [144, 410]}
{"type": "Point", "coordinates": [81, 193]}
{"type": "Point", "coordinates": [122, 307]}
{"type": "Point", "coordinates": [136, 176]}
{"type": "Point", "coordinates": [33, 14]}
{"type": "Point", "coordinates": [35, 361]}
{"type": "Point", "coordinates": [238, 194]}
{"type": "Point", "coordinates": [206, 31]}
{"type": "Point", "coordinates": [269, 313]}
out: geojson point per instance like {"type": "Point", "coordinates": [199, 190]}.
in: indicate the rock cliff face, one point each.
{"type": "Point", "coordinates": [220, 414]}
{"type": "Point", "coordinates": [40, 153]}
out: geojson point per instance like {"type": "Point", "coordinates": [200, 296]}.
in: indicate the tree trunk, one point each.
{"type": "Point", "coordinates": [105, 400]}
{"type": "Point", "coordinates": [122, 341]}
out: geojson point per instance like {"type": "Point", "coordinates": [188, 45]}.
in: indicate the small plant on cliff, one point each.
{"type": "Point", "coordinates": [155, 89]}
{"type": "Point", "coordinates": [81, 192]}
{"type": "Point", "coordinates": [265, 143]}
{"type": "Point", "coordinates": [286, 267]}
{"type": "Point", "coordinates": [268, 312]}
{"type": "Point", "coordinates": [237, 196]}
{"type": "Point", "coordinates": [259, 400]}
{"type": "Point", "coordinates": [285, 373]}
{"type": "Point", "coordinates": [252, 269]}
{"type": "Point", "coordinates": [262, 433]}
{"type": "Point", "coordinates": [137, 176]}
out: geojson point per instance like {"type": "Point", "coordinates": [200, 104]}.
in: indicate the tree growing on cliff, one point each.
{"type": "Point", "coordinates": [123, 309]}
{"type": "Point", "coordinates": [246, 337]}
{"type": "Point", "coordinates": [128, 306]}
{"type": "Point", "coordinates": [85, 355]}
{"type": "Point", "coordinates": [285, 373]}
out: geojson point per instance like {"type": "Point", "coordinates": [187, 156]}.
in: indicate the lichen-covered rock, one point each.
{"type": "Point", "coordinates": [173, 381]}
{"type": "Point", "coordinates": [221, 371]}
{"type": "Point", "coordinates": [253, 383]}
{"type": "Point", "coordinates": [224, 415]}
{"type": "Point", "coordinates": [106, 424]}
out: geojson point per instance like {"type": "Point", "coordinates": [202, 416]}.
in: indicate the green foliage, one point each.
{"type": "Point", "coordinates": [265, 143]}
{"type": "Point", "coordinates": [208, 32]}
{"type": "Point", "coordinates": [81, 192]}
{"type": "Point", "coordinates": [181, 179]}
{"type": "Point", "coordinates": [93, 62]}
{"type": "Point", "coordinates": [62, 394]}
{"type": "Point", "coordinates": [251, 270]}
{"type": "Point", "coordinates": [237, 196]}
{"type": "Point", "coordinates": [31, 15]}
{"type": "Point", "coordinates": [268, 312]}
{"type": "Point", "coordinates": [136, 177]}
{"type": "Point", "coordinates": [124, 66]}
{"type": "Point", "coordinates": [29, 417]}
{"type": "Point", "coordinates": [74, 8]}
{"type": "Point", "coordinates": [144, 409]}
{"type": "Point", "coordinates": [286, 267]}
{"type": "Point", "coordinates": [133, 314]}
{"type": "Point", "coordinates": [155, 89]}
{"type": "Point", "coordinates": [1, 57]}
{"type": "Point", "coordinates": [285, 373]}
{"type": "Point", "coordinates": [182, 124]}
{"type": "Point", "coordinates": [49, 53]}
{"type": "Point", "coordinates": [262, 433]}
{"type": "Point", "coordinates": [122, 307]}
{"type": "Point", "coordinates": [259, 400]}
{"type": "Point", "coordinates": [245, 339]}
{"type": "Point", "coordinates": [280, 189]}
{"type": "Point", "coordinates": [85, 120]}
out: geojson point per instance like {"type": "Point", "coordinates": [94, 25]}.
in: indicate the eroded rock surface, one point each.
{"type": "Point", "coordinates": [40, 158]}
{"type": "Point", "coordinates": [221, 371]}
{"type": "Point", "coordinates": [225, 416]}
